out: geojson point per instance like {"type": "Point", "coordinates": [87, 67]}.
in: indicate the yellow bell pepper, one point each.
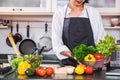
{"type": "Point", "coordinates": [89, 60]}
{"type": "Point", "coordinates": [22, 67]}
{"type": "Point", "coordinates": [89, 57]}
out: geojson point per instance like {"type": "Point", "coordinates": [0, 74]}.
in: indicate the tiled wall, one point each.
{"type": "Point", "coordinates": [36, 30]}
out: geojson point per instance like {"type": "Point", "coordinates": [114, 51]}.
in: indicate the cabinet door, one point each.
{"type": "Point", "coordinates": [25, 5]}
{"type": "Point", "coordinates": [58, 3]}
{"type": "Point", "coordinates": [106, 5]}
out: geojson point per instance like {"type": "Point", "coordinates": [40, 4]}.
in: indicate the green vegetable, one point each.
{"type": "Point", "coordinates": [30, 71]}
{"type": "Point", "coordinates": [16, 61]}
{"type": "Point", "coordinates": [107, 46]}
{"type": "Point", "coordinates": [33, 60]}
{"type": "Point", "coordinates": [79, 52]}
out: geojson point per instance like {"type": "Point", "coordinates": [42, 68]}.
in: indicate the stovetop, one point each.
{"type": "Point", "coordinates": [3, 58]}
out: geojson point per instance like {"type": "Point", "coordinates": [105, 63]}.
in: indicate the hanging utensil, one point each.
{"type": "Point", "coordinates": [27, 46]}
{"type": "Point", "coordinates": [45, 40]}
{"type": "Point", "coordinates": [7, 40]}
{"type": "Point", "coordinates": [17, 36]}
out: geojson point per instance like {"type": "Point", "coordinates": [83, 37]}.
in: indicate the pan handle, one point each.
{"type": "Point", "coordinates": [11, 28]}
{"type": "Point", "coordinates": [28, 29]}
{"type": "Point", "coordinates": [46, 26]}
{"type": "Point", "coordinates": [17, 26]}
{"type": "Point", "coordinates": [40, 51]}
{"type": "Point", "coordinates": [13, 45]}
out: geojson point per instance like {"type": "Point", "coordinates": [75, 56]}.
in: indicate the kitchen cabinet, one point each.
{"type": "Point", "coordinates": [49, 6]}
{"type": "Point", "coordinates": [22, 6]}
{"type": "Point", "coordinates": [106, 6]}
{"type": "Point", "coordinates": [58, 3]}
{"type": "Point", "coordinates": [109, 9]}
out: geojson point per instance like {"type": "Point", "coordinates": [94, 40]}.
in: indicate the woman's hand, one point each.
{"type": "Point", "coordinates": [66, 53]}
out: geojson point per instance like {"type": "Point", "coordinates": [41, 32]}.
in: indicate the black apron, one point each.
{"type": "Point", "coordinates": [76, 31]}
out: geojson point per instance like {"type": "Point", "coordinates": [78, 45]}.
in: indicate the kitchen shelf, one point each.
{"type": "Point", "coordinates": [113, 28]}
{"type": "Point", "coordinates": [110, 13]}
{"type": "Point", "coordinates": [26, 13]}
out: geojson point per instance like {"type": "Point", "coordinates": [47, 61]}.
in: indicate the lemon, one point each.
{"type": "Point", "coordinates": [79, 70]}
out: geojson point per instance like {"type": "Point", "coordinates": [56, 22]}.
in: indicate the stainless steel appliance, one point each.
{"type": "Point", "coordinates": [114, 66]}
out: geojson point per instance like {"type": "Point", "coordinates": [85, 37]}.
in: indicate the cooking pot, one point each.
{"type": "Point", "coordinates": [17, 36]}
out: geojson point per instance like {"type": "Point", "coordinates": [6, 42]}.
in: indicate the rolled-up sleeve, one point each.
{"type": "Point", "coordinates": [57, 27]}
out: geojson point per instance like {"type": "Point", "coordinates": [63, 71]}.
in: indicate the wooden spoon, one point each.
{"type": "Point", "coordinates": [13, 45]}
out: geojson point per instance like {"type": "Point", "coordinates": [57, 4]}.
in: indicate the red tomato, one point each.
{"type": "Point", "coordinates": [98, 56]}
{"type": "Point", "coordinates": [36, 69]}
{"type": "Point", "coordinates": [50, 71]}
{"type": "Point", "coordinates": [89, 70]}
{"type": "Point", "coordinates": [41, 71]}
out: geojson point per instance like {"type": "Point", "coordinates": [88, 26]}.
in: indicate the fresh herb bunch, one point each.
{"type": "Point", "coordinates": [79, 52]}
{"type": "Point", "coordinates": [106, 46]}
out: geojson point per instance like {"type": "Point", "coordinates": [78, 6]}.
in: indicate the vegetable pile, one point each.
{"type": "Point", "coordinates": [33, 60]}
{"type": "Point", "coordinates": [107, 46]}
{"type": "Point", "coordinates": [104, 47]}
{"type": "Point", "coordinates": [79, 52]}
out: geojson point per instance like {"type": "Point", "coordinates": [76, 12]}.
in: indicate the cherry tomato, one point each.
{"type": "Point", "coordinates": [89, 70]}
{"type": "Point", "coordinates": [98, 56]}
{"type": "Point", "coordinates": [50, 71]}
{"type": "Point", "coordinates": [41, 71]}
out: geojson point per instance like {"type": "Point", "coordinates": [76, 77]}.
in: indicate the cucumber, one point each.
{"type": "Point", "coordinates": [30, 71]}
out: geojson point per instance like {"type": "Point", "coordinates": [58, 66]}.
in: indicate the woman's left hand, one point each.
{"type": "Point", "coordinates": [107, 61]}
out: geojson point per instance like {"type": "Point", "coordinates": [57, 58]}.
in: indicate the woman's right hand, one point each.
{"type": "Point", "coordinates": [66, 53]}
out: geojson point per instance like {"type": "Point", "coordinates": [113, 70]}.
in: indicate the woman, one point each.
{"type": "Point", "coordinates": [75, 24]}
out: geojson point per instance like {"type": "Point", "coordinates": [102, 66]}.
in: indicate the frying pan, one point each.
{"type": "Point", "coordinates": [45, 41]}
{"type": "Point", "coordinates": [17, 36]}
{"type": "Point", "coordinates": [10, 37]}
{"type": "Point", "coordinates": [7, 40]}
{"type": "Point", "coordinates": [27, 46]}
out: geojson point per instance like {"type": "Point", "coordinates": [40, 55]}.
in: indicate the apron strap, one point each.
{"type": "Point", "coordinates": [66, 11]}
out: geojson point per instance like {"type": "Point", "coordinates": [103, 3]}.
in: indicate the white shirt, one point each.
{"type": "Point", "coordinates": [57, 27]}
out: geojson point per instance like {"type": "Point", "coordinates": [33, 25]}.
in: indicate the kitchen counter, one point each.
{"type": "Point", "coordinates": [98, 75]}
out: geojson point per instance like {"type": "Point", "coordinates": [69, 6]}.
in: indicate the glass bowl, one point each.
{"type": "Point", "coordinates": [33, 60]}
{"type": "Point", "coordinates": [95, 64]}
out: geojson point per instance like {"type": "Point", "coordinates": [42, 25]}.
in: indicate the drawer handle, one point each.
{"type": "Point", "coordinates": [16, 9]}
